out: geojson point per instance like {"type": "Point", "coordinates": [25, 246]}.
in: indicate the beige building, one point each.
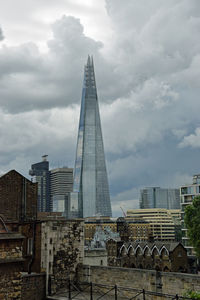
{"type": "Point", "coordinates": [128, 228]}
{"type": "Point", "coordinates": [162, 221]}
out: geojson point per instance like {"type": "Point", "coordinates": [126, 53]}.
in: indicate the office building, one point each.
{"type": "Point", "coordinates": [156, 197]}
{"type": "Point", "coordinates": [162, 221]}
{"type": "Point", "coordinates": [187, 194]}
{"type": "Point", "coordinates": [90, 178]}
{"type": "Point", "coordinates": [41, 174]}
{"type": "Point", "coordinates": [129, 229]}
{"type": "Point", "coordinates": [61, 184]}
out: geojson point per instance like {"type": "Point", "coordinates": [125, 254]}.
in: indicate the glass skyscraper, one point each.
{"type": "Point", "coordinates": [90, 176]}
{"type": "Point", "coordinates": [156, 197]}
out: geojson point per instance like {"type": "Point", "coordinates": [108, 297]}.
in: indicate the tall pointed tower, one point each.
{"type": "Point", "coordinates": [90, 176]}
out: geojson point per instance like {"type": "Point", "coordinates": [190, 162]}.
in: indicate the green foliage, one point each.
{"type": "Point", "coordinates": [192, 295]}
{"type": "Point", "coordinates": [192, 222]}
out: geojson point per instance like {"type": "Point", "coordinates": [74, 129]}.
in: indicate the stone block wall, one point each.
{"type": "Point", "coordinates": [150, 280]}
{"type": "Point", "coordinates": [62, 243]}
{"type": "Point", "coordinates": [33, 287]}
{"type": "Point", "coordinates": [11, 281]}
{"type": "Point", "coordinates": [10, 249]}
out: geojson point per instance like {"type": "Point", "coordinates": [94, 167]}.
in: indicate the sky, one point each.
{"type": "Point", "coordinates": [147, 65]}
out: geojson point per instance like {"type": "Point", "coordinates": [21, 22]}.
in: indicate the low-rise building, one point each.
{"type": "Point", "coordinates": [167, 257]}
{"type": "Point", "coordinates": [161, 221]}
{"type": "Point", "coordinates": [128, 228]}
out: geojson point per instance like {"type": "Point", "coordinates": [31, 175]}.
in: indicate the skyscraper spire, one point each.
{"type": "Point", "coordinates": [90, 176]}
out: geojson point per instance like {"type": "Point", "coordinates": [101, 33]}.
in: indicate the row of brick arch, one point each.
{"type": "Point", "coordinates": [163, 251]}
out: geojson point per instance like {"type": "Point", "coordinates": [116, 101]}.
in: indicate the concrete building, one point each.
{"type": "Point", "coordinates": [187, 194]}
{"type": "Point", "coordinates": [161, 221]}
{"type": "Point", "coordinates": [156, 197]}
{"type": "Point", "coordinates": [41, 174]}
{"type": "Point", "coordinates": [90, 175]}
{"type": "Point", "coordinates": [61, 184]}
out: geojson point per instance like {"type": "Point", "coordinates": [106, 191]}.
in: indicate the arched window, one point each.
{"type": "Point", "coordinates": [130, 251]}
{"type": "Point", "coordinates": [155, 253]}
{"type": "Point", "coordinates": [164, 253]}
{"type": "Point", "coordinates": [138, 251]}
{"type": "Point", "coordinates": [147, 252]}
{"type": "Point", "coordinates": [123, 251]}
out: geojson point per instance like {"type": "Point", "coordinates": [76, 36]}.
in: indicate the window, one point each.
{"type": "Point", "coordinates": [179, 254]}
{"type": "Point", "coordinates": [30, 246]}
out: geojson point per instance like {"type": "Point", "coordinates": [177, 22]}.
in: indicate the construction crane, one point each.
{"type": "Point", "coordinates": [124, 214]}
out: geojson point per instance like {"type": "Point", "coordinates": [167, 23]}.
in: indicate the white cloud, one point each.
{"type": "Point", "coordinates": [192, 140]}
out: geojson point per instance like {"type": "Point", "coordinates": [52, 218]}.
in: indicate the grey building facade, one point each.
{"type": "Point", "coordinates": [156, 197]}
{"type": "Point", "coordinates": [90, 175]}
{"type": "Point", "coordinates": [61, 184]}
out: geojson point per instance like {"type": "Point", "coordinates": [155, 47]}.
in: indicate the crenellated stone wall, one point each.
{"type": "Point", "coordinates": [150, 280]}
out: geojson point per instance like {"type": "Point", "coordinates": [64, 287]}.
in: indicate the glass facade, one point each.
{"type": "Point", "coordinates": [90, 176]}
{"type": "Point", "coordinates": [41, 175]}
{"type": "Point", "coordinates": [156, 197]}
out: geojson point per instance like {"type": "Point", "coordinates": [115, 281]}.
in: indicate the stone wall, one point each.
{"type": "Point", "coordinates": [62, 243]}
{"type": "Point", "coordinates": [33, 287]}
{"type": "Point", "coordinates": [150, 280]}
{"type": "Point", "coordinates": [10, 249]}
{"type": "Point", "coordinates": [10, 279]}
{"type": "Point", "coordinates": [95, 257]}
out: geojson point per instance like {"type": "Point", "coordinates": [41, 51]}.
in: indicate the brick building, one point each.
{"type": "Point", "coordinates": [167, 257]}
{"type": "Point", "coordinates": [18, 198]}
{"type": "Point", "coordinates": [130, 229]}
{"type": "Point", "coordinates": [47, 245]}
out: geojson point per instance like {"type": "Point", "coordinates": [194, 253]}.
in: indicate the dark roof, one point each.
{"type": "Point", "coordinates": [14, 172]}
{"type": "Point", "coordinates": [170, 246]}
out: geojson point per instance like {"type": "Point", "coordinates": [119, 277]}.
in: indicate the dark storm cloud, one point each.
{"type": "Point", "coordinates": [148, 87]}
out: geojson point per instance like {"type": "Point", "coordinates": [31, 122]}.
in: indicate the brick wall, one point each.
{"type": "Point", "coordinates": [150, 280]}
{"type": "Point", "coordinates": [18, 197]}
{"type": "Point", "coordinates": [33, 287]}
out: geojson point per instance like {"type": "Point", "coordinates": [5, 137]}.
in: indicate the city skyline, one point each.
{"type": "Point", "coordinates": [147, 68]}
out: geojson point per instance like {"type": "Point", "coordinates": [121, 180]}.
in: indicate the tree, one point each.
{"type": "Point", "coordinates": [192, 222]}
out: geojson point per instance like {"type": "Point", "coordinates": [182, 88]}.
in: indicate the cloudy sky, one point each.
{"type": "Point", "coordinates": [147, 64]}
